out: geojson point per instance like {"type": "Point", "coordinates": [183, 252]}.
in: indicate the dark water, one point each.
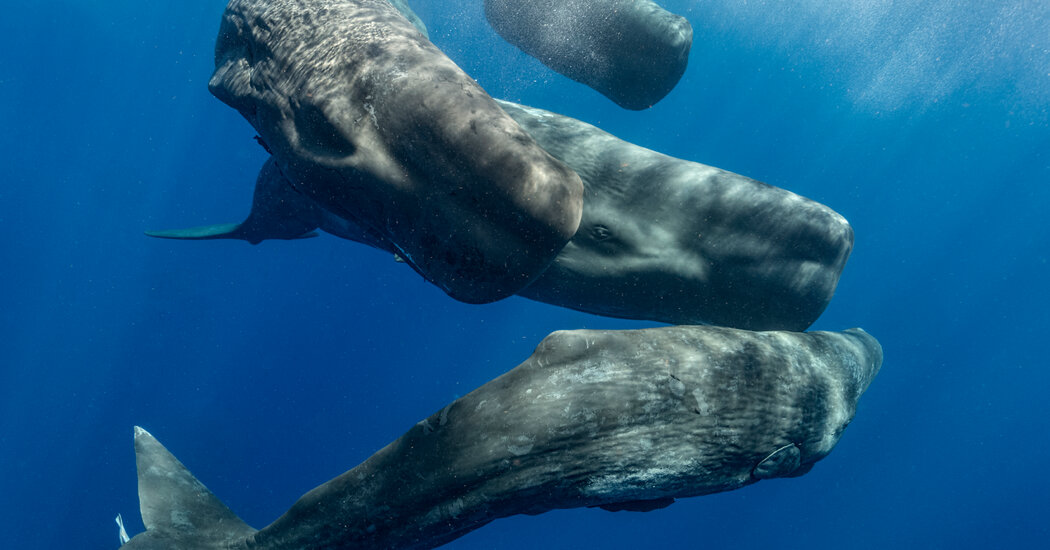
{"type": "Point", "coordinates": [269, 369]}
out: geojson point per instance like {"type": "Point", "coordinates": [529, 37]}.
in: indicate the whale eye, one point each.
{"type": "Point", "coordinates": [600, 232]}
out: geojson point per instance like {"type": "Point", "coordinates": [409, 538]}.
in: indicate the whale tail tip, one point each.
{"type": "Point", "coordinates": [177, 509]}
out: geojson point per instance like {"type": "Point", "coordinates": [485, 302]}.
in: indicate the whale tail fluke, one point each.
{"type": "Point", "coordinates": [177, 510]}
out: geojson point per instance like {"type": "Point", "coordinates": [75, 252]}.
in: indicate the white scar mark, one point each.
{"type": "Point", "coordinates": [444, 414]}
{"type": "Point", "coordinates": [372, 113]}
{"type": "Point", "coordinates": [124, 538]}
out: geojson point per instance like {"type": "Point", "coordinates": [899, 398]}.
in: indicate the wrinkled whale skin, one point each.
{"type": "Point", "coordinates": [369, 119]}
{"type": "Point", "coordinates": [632, 51]}
{"type": "Point", "coordinates": [624, 420]}
{"type": "Point", "coordinates": [681, 242]}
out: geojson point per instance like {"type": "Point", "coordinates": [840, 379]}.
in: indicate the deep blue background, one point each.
{"type": "Point", "coordinates": [269, 369]}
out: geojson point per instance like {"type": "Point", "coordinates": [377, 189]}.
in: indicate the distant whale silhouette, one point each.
{"type": "Point", "coordinates": [660, 238]}
{"type": "Point", "coordinates": [624, 420]}
{"type": "Point", "coordinates": [632, 51]}
{"type": "Point", "coordinates": [370, 120]}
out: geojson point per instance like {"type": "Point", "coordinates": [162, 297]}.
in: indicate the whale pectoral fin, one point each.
{"type": "Point", "coordinates": [177, 510]}
{"type": "Point", "coordinates": [638, 505]}
{"type": "Point", "coordinates": [228, 231]}
{"type": "Point", "coordinates": [279, 211]}
{"type": "Point", "coordinates": [218, 231]}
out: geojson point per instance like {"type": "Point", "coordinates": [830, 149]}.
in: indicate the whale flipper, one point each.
{"type": "Point", "coordinates": [278, 212]}
{"type": "Point", "coordinates": [220, 231]}
{"type": "Point", "coordinates": [177, 510]}
{"type": "Point", "coordinates": [638, 505]}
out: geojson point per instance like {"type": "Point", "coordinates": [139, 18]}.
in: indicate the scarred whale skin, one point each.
{"type": "Point", "coordinates": [369, 119]}
{"type": "Point", "coordinates": [624, 420]}
{"type": "Point", "coordinates": [632, 51]}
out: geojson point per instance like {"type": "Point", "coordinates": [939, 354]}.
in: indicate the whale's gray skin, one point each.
{"type": "Point", "coordinates": [681, 242]}
{"type": "Point", "coordinates": [624, 420]}
{"type": "Point", "coordinates": [370, 120]}
{"type": "Point", "coordinates": [661, 238]}
{"type": "Point", "coordinates": [632, 51]}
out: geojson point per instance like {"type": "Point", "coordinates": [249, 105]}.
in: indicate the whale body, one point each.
{"type": "Point", "coordinates": [632, 51]}
{"type": "Point", "coordinates": [676, 241]}
{"type": "Point", "coordinates": [623, 420]}
{"type": "Point", "coordinates": [370, 120]}
{"type": "Point", "coordinates": [660, 238]}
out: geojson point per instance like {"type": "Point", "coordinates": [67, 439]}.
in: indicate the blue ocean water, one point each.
{"type": "Point", "coordinates": [270, 369]}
